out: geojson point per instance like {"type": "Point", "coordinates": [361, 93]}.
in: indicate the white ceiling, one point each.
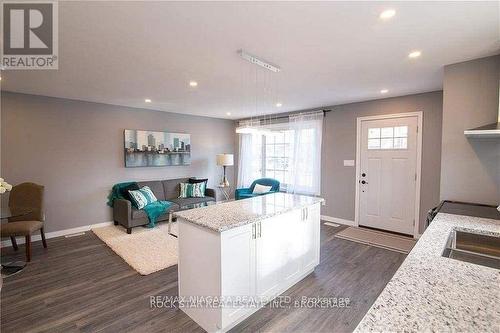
{"type": "Point", "coordinates": [330, 53]}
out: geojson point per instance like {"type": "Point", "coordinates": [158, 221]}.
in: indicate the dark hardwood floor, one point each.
{"type": "Point", "coordinates": [80, 285]}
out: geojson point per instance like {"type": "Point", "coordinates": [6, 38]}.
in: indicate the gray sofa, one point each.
{"type": "Point", "coordinates": [128, 216]}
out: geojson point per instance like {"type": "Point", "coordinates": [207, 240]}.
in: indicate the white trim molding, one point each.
{"type": "Point", "coordinates": [419, 115]}
{"type": "Point", "coordinates": [59, 233]}
{"type": "Point", "coordinates": [337, 220]}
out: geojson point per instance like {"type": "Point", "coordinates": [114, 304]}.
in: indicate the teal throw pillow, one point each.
{"type": "Point", "coordinates": [196, 190]}
{"type": "Point", "coordinates": [142, 197]}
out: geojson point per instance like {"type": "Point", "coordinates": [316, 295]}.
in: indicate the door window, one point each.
{"type": "Point", "coordinates": [388, 137]}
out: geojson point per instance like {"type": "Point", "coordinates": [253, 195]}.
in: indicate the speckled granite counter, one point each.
{"type": "Point", "coordinates": [232, 214]}
{"type": "Point", "coordinates": [435, 294]}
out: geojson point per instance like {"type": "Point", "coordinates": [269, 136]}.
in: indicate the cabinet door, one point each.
{"type": "Point", "coordinates": [238, 268]}
{"type": "Point", "coordinates": [269, 255]}
{"type": "Point", "coordinates": [277, 252]}
{"type": "Point", "coordinates": [292, 246]}
{"type": "Point", "coordinates": [310, 238]}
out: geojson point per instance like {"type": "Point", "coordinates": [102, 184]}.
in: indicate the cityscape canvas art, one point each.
{"type": "Point", "coordinates": [156, 149]}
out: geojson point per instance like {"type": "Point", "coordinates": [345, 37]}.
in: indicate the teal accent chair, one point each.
{"type": "Point", "coordinates": [243, 193]}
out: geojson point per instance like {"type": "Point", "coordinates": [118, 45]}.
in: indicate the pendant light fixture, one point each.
{"type": "Point", "coordinates": [249, 126]}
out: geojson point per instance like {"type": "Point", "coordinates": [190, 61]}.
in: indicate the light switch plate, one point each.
{"type": "Point", "coordinates": [348, 162]}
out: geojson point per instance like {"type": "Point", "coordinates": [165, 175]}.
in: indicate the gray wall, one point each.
{"type": "Point", "coordinates": [75, 149]}
{"type": "Point", "coordinates": [339, 144]}
{"type": "Point", "coordinates": [470, 168]}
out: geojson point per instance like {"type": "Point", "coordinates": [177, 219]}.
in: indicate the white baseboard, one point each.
{"type": "Point", "coordinates": [338, 220]}
{"type": "Point", "coordinates": [59, 233]}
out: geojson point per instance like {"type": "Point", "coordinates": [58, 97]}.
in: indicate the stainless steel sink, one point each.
{"type": "Point", "coordinates": [474, 248]}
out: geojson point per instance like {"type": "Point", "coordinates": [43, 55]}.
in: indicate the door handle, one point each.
{"type": "Point", "coordinates": [260, 229]}
{"type": "Point", "coordinates": [253, 231]}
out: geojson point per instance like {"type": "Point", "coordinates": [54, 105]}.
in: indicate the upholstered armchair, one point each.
{"type": "Point", "coordinates": [243, 193]}
{"type": "Point", "coordinates": [25, 196]}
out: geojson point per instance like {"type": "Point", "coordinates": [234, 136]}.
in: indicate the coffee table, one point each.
{"type": "Point", "coordinates": [186, 207]}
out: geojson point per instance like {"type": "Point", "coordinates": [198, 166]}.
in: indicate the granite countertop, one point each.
{"type": "Point", "coordinates": [432, 293]}
{"type": "Point", "coordinates": [231, 214]}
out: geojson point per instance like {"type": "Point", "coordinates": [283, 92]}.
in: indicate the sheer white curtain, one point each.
{"type": "Point", "coordinates": [245, 172]}
{"type": "Point", "coordinates": [305, 163]}
{"type": "Point", "coordinates": [296, 156]}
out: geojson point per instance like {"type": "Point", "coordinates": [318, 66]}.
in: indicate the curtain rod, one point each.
{"type": "Point", "coordinates": [283, 117]}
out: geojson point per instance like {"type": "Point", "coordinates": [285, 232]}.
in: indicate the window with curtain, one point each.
{"type": "Point", "coordinates": [277, 155]}
{"type": "Point", "coordinates": [289, 152]}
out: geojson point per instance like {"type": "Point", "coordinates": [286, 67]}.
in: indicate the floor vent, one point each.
{"type": "Point", "coordinates": [330, 224]}
{"type": "Point", "coordinates": [75, 235]}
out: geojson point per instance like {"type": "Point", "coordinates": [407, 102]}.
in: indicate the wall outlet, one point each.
{"type": "Point", "coordinates": [349, 163]}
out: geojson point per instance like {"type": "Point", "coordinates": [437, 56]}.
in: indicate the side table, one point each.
{"type": "Point", "coordinates": [225, 190]}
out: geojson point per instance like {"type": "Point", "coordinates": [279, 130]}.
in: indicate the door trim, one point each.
{"type": "Point", "coordinates": [419, 115]}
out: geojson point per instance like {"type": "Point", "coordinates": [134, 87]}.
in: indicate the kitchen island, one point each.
{"type": "Point", "coordinates": [432, 293]}
{"type": "Point", "coordinates": [236, 256]}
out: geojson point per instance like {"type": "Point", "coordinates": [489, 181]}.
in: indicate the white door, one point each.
{"type": "Point", "coordinates": [387, 179]}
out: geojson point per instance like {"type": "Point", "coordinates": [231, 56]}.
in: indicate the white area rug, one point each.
{"type": "Point", "coordinates": [145, 250]}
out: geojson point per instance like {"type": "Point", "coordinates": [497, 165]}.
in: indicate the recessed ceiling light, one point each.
{"type": "Point", "coordinates": [278, 105]}
{"type": "Point", "coordinates": [228, 113]}
{"type": "Point", "coordinates": [147, 100]}
{"type": "Point", "coordinates": [384, 91]}
{"type": "Point", "coordinates": [193, 83]}
{"type": "Point", "coordinates": [414, 54]}
{"type": "Point", "coordinates": [387, 14]}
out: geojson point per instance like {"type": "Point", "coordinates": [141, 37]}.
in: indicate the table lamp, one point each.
{"type": "Point", "coordinates": [225, 160]}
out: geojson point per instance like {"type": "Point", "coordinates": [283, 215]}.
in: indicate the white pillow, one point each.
{"type": "Point", "coordinates": [259, 189]}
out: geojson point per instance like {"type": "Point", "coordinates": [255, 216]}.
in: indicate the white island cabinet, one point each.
{"type": "Point", "coordinates": [236, 256]}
